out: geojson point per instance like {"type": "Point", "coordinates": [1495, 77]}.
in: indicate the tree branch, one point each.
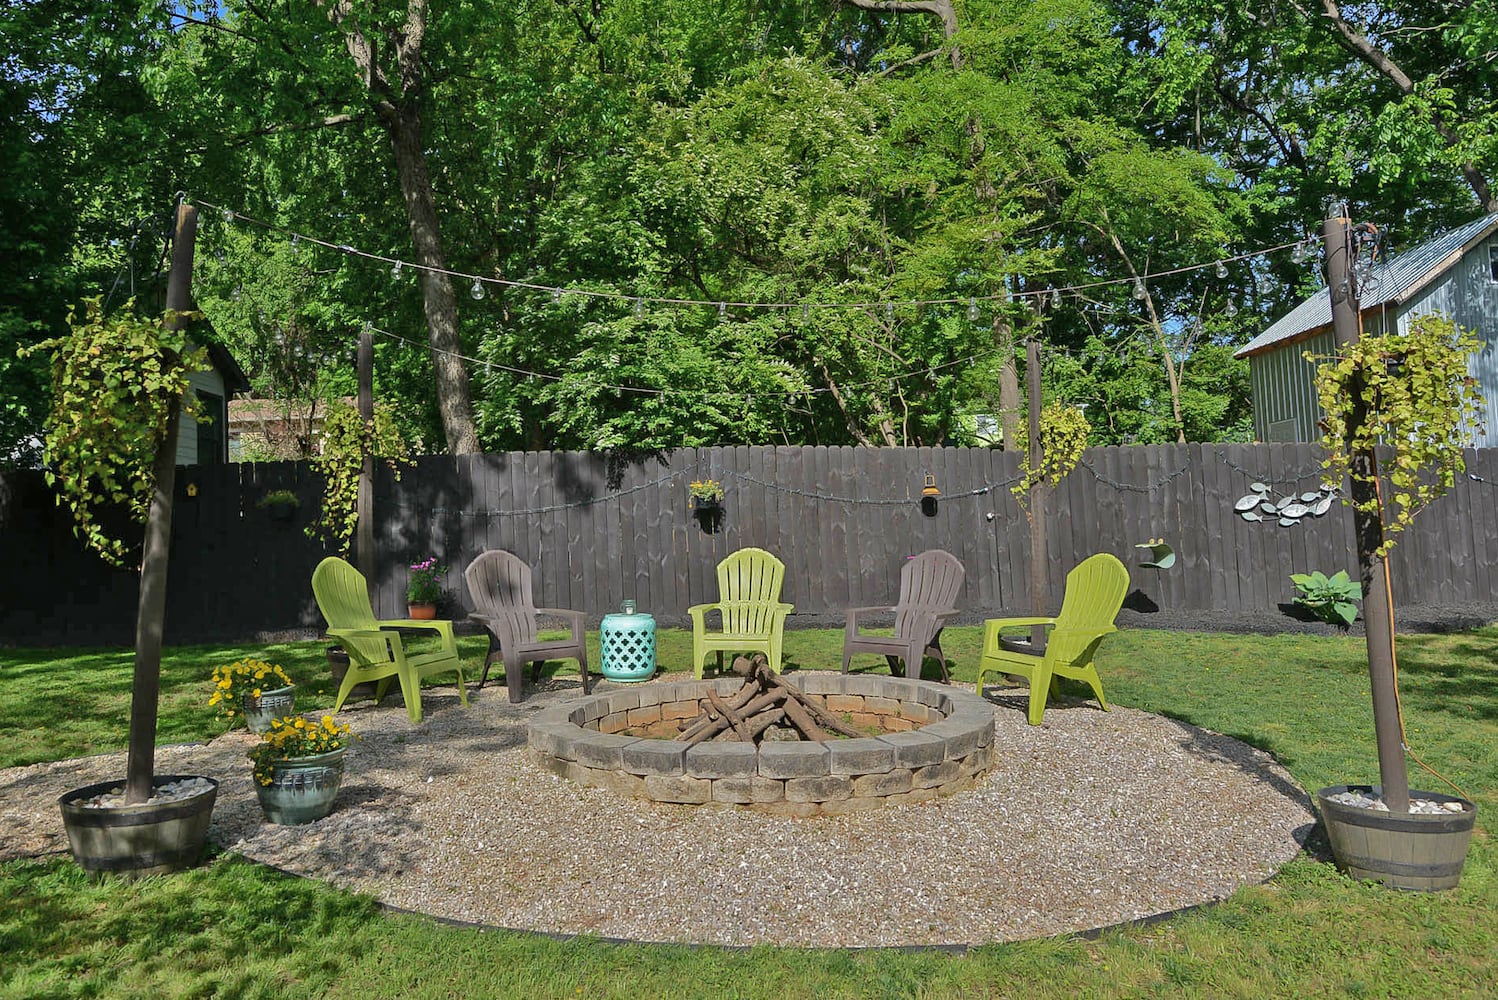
{"type": "Point", "coordinates": [1361, 46]}
{"type": "Point", "coordinates": [944, 9]}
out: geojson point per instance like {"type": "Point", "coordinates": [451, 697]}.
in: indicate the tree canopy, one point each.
{"type": "Point", "coordinates": [768, 223]}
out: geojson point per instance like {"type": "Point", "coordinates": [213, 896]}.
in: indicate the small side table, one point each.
{"type": "Point", "coordinates": [628, 647]}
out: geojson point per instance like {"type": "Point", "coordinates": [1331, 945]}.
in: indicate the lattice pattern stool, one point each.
{"type": "Point", "coordinates": [628, 643]}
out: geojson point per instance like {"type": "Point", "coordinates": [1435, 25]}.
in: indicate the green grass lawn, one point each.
{"type": "Point", "coordinates": [235, 929]}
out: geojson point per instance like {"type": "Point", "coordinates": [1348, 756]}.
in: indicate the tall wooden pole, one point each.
{"type": "Point", "coordinates": [1368, 526]}
{"type": "Point", "coordinates": [364, 531]}
{"type": "Point", "coordinates": [150, 613]}
{"type": "Point", "coordinates": [1038, 581]}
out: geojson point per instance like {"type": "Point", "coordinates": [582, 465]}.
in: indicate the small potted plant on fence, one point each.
{"type": "Point", "coordinates": [253, 690]}
{"type": "Point", "coordinates": [299, 768]}
{"type": "Point", "coordinates": [1422, 410]}
{"type": "Point", "coordinates": [424, 588]}
{"type": "Point", "coordinates": [705, 494]}
{"type": "Point", "coordinates": [281, 504]}
{"type": "Point", "coordinates": [705, 497]}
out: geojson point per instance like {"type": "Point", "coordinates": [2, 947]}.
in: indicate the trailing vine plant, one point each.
{"type": "Point", "coordinates": [345, 441]}
{"type": "Point", "coordinates": [1063, 438]}
{"type": "Point", "coordinates": [1418, 401]}
{"type": "Point", "coordinates": [116, 381]}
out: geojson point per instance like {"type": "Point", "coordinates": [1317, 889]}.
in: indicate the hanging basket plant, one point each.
{"type": "Point", "coordinates": [1409, 393]}
{"type": "Point", "coordinates": [346, 439]}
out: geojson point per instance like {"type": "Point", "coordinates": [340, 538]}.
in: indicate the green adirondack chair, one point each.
{"type": "Point", "coordinates": [1095, 591]}
{"type": "Point", "coordinates": [376, 652]}
{"type": "Point", "coordinates": [749, 603]}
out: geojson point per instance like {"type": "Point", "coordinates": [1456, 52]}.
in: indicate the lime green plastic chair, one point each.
{"type": "Point", "coordinates": [749, 603]}
{"type": "Point", "coordinates": [1094, 592]}
{"type": "Point", "coordinates": [376, 652]}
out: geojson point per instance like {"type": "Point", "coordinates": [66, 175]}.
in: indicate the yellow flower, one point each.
{"type": "Point", "coordinates": [255, 693]}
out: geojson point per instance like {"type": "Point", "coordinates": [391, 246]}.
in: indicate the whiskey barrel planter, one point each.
{"type": "Point", "coordinates": [1419, 851]}
{"type": "Point", "coordinates": [144, 839]}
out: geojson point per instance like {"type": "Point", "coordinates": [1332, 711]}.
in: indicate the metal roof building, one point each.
{"type": "Point", "coordinates": [1455, 274]}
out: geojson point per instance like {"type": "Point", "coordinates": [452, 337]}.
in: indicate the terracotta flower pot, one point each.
{"type": "Point", "coordinates": [422, 612]}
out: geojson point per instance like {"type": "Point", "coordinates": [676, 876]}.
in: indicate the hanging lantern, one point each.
{"type": "Point", "coordinates": [930, 496]}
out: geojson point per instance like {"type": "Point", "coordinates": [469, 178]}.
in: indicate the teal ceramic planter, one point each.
{"type": "Point", "coordinates": [627, 644]}
{"type": "Point", "coordinates": [302, 789]}
{"type": "Point", "coordinates": [258, 712]}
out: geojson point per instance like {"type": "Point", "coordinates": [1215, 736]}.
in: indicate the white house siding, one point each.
{"type": "Point", "coordinates": [1469, 295]}
{"type": "Point", "coordinates": [1284, 390]}
{"type": "Point", "coordinates": [187, 429]}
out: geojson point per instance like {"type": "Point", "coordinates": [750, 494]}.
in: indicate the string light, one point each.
{"type": "Point", "coordinates": [639, 308]}
{"type": "Point", "coordinates": [1140, 293]}
{"type": "Point", "coordinates": [722, 311]}
{"type": "Point", "coordinates": [477, 291]}
{"type": "Point", "coordinates": [228, 214]}
{"type": "Point", "coordinates": [395, 270]}
{"type": "Point", "coordinates": [1219, 267]}
{"type": "Point", "coordinates": [1230, 310]}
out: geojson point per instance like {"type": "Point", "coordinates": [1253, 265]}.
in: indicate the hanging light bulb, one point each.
{"type": "Point", "coordinates": [805, 313]}
{"type": "Point", "coordinates": [1301, 253]}
{"type": "Point", "coordinates": [1139, 291]}
{"type": "Point", "coordinates": [556, 295]}
{"type": "Point", "coordinates": [228, 214]}
{"type": "Point", "coordinates": [1222, 270]}
{"type": "Point", "coordinates": [295, 239]}
{"type": "Point", "coordinates": [1230, 310]}
{"type": "Point", "coordinates": [238, 291]}
{"type": "Point", "coordinates": [639, 308]}
{"type": "Point", "coordinates": [889, 313]}
{"type": "Point", "coordinates": [972, 310]}
{"type": "Point", "coordinates": [395, 270]}
{"type": "Point", "coordinates": [477, 291]}
{"type": "Point", "coordinates": [722, 311]}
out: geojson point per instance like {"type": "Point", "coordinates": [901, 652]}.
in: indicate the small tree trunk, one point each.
{"type": "Point", "coordinates": [1003, 342]}
{"type": "Point", "coordinates": [1038, 577]}
{"type": "Point", "coordinates": [1378, 625]}
{"type": "Point", "coordinates": [150, 614]}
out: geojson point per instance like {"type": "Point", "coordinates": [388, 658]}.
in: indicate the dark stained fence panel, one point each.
{"type": "Point", "coordinates": [843, 520]}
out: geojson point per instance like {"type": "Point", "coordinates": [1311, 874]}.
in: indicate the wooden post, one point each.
{"type": "Point", "coordinates": [1368, 528]}
{"type": "Point", "coordinates": [1038, 576]}
{"type": "Point", "coordinates": [364, 530]}
{"type": "Point", "coordinates": [150, 613]}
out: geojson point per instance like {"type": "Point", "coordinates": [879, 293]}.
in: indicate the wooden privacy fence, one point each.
{"type": "Point", "coordinates": [600, 530]}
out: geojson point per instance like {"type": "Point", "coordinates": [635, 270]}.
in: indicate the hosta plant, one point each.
{"type": "Point", "coordinates": [1329, 598]}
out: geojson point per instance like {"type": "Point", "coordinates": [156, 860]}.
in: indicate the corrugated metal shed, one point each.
{"type": "Point", "coordinates": [1392, 283]}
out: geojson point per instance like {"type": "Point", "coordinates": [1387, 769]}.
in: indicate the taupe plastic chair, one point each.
{"type": "Point", "coordinates": [929, 584]}
{"type": "Point", "coordinates": [500, 584]}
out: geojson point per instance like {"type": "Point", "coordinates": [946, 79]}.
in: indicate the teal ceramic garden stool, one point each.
{"type": "Point", "coordinates": [628, 646]}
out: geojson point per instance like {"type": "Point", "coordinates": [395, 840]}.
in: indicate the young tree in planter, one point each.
{"type": "Point", "coordinates": [118, 389]}
{"type": "Point", "coordinates": [118, 386]}
{"type": "Point", "coordinates": [1411, 393]}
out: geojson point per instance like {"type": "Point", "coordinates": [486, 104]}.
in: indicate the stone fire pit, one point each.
{"type": "Point", "coordinates": [933, 740]}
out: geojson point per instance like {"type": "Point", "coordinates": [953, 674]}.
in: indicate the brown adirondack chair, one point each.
{"type": "Point", "coordinates": [929, 584]}
{"type": "Point", "coordinates": [500, 584]}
